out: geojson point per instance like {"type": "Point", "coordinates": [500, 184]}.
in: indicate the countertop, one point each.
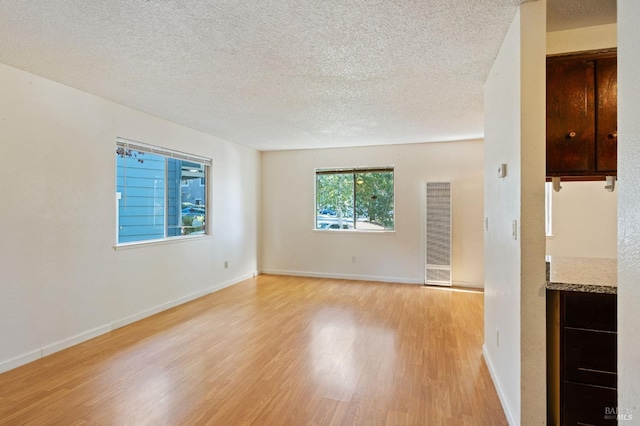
{"type": "Point", "coordinates": [585, 274]}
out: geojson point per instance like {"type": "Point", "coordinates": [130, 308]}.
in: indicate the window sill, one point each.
{"type": "Point", "coordinates": [172, 240]}
{"type": "Point", "coordinates": [353, 231]}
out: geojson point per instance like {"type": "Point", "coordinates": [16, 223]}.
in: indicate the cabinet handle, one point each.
{"type": "Point", "coordinates": [613, 135]}
{"type": "Point", "coordinates": [571, 135]}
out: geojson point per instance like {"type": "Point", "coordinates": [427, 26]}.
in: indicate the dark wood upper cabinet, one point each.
{"type": "Point", "coordinates": [582, 115]}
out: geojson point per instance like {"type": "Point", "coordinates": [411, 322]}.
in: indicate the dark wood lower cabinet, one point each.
{"type": "Point", "coordinates": [590, 357]}
{"type": "Point", "coordinates": [581, 358]}
{"type": "Point", "coordinates": [588, 405]}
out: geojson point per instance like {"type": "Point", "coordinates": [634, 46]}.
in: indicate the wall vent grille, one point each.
{"type": "Point", "coordinates": [438, 234]}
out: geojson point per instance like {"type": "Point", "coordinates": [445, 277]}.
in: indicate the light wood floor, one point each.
{"type": "Point", "coordinates": [274, 350]}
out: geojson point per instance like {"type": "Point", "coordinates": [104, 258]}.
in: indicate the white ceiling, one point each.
{"type": "Point", "coordinates": [569, 14]}
{"type": "Point", "coordinates": [273, 74]}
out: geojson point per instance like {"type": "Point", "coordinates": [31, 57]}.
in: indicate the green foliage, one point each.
{"type": "Point", "coordinates": [187, 223]}
{"type": "Point", "coordinates": [335, 192]}
{"type": "Point", "coordinates": [373, 196]}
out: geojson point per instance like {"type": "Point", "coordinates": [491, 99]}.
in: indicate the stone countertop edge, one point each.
{"type": "Point", "coordinates": [587, 275]}
{"type": "Point", "coordinates": [584, 288]}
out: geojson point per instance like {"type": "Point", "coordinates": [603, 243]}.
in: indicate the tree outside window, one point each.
{"type": "Point", "coordinates": [357, 199]}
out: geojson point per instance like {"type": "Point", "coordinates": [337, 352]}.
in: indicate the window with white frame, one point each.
{"type": "Point", "coordinates": [159, 193]}
{"type": "Point", "coordinates": [355, 198]}
{"type": "Point", "coordinates": [548, 195]}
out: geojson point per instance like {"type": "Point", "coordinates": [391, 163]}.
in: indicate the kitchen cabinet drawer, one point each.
{"type": "Point", "coordinates": [590, 357]}
{"type": "Point", "coordinates": [588, 405]}
{"type": "Point", "coordinates": [590, 311]}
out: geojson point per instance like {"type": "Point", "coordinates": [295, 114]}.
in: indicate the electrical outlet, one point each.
{"type": "Point", "coordinates": [226, 264]}
{"type": "Point", "coordinates": [497, 337]}
{"type": "Point", "coordinates": [353, 259]}
{"type": "Point", "coordinates": [514, 229]}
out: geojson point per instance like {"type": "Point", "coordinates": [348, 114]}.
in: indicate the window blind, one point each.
{"type": "Point", "coordinates": [354, 170]}
{"type": "Point", "coordinates": [152, 149]}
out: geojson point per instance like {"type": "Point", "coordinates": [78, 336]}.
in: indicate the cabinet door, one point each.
{"type": "Point", "coordinates": [570, 117]}
{"type": "Point", "coordinates": [607, 115]}
{"type": "Point", "coordinates": [588, 405]}
{"type": "Point", "coordinates": [591, 311]}
{"type": "Point", "coordinates": [591, 357]}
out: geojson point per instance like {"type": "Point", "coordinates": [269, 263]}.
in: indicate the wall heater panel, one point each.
{"type": "Point", "coordinates": [438, 234]}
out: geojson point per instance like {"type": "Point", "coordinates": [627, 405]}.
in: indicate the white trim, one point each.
{"type": "Point", "coordinates": [172, 304]}
{"type": "Point", "coordinates": [74, 340]}
{"type": "Point", "coordinates": [548, 209]}
{"type": "Point", "coordinates": [162, 241]}
{"type": "Point", "coordinates": [499, 388]}
{"type": "Point", "coordinates": [23, 359]}
{"type": "Point", "coordinates": [51, 348]}
{"type": "Point", "coordinates": [342, 276]}
{"type": "Point", "coordinates": [355, 231]}
{"type": "Point", "coordinates": [454, 289]}
{"type": "Point", "coordinates": [467, 284]}
{"type": "Point", "coordinates": [345, 171]}
{"type": "Point", "coordinates": [378, 278]}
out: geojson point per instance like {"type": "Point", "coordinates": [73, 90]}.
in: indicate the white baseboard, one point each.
{"type": "Point", "coordinates": [74, 340]}
{"type": "Point", "coordinates": [342, 276]}
{"type": "Point", "coordinates": [499, 388]}
{"type": "Point", "coordinates": [51, 348]}
{"type": "Point", "coordinates": [172, 304]}
{"type": "Point", "coordinates": [467, 284]}
{"type": "Point", "coordinates": [23, 359]}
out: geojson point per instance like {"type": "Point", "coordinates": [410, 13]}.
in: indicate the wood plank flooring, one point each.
{"type": "Point", "coordinates": [274, 350]}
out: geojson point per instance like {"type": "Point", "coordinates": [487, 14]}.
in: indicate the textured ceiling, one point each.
{"type": "Point", "coordinates": [274, 74]}
{"type": "Point", "coordinates": [569, 14]}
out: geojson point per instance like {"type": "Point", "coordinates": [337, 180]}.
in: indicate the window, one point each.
{"type": "Point", "coordinates": [548, 192]}
{"type": "Point", "coordinates": [356, 199]}
{"type": "Point", "coordinates": [159, 193]}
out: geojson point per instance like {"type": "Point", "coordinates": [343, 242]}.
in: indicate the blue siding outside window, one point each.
{"type": "Point", "coordinates": [142, 203]}
{"type": "Point", "coordinates": [141, 206]}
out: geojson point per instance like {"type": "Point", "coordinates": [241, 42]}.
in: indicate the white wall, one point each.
{"type": "Point", "coordinates": [61, 279]}
{"type": "Point", "coordinates": [501, 206]}
{"type": "Point", "coordinates": [628, 208]}
{"type": "Point", "coordinates": [291, 246]}
{"type": "Point", "coordinates": [585, 221]}
{"type": "Point", "coordinates": [514, 268]}
{"type": "Point", "coordinates": [581, 39]}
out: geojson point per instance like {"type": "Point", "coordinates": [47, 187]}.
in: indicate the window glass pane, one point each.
{"type": "Point", "coordinates": [374, 201]}
{"type": "Point", "coordinates": [548, 192]}
{"type": "Point", "coordinates": [158, 196]}
{"type": "Point", "coordinates": [355, 199]}
{"type": "Point", "coordinates": [141, 185]}
{"type": "Point", "coordinates": [334, 201]}
{"type": "Point", "coordinates": [192, 197]}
